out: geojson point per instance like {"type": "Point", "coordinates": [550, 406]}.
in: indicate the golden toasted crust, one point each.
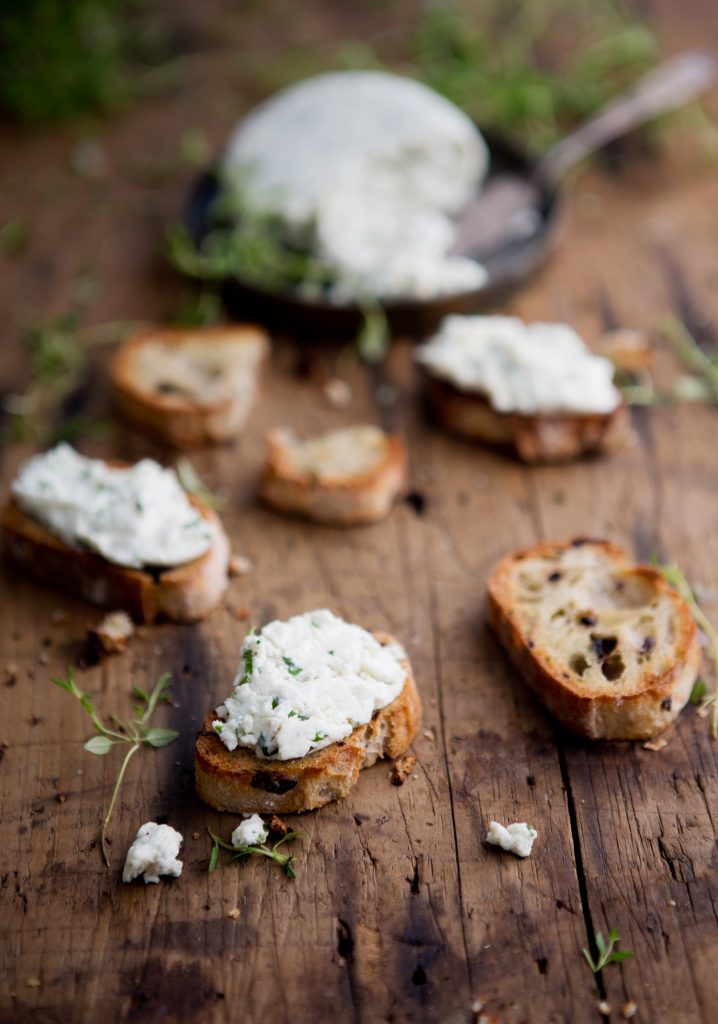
{"type": "Point", "coordinates": [545, 437]}
{"type": "Point", "coordinates": [651, 699]}
{"type": "Point", "coordinates": [241, 782]}
{"type": "Point", "coordinates": [177, 418]}
{"type": "Point", "coordinates": [338, 500]}
{"type": "Point", "coordinates": [182, 594]}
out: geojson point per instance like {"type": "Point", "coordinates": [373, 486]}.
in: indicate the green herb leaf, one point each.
{"type": "Point", "coordinates": [607, 954]}
{"type": "Point", "coordinates": [213, 857]}
{"type": "Point", "coordinates": [294, 670]}
{"type": "Point", "coordinates": [98, 745]}
{"type": "Point", "coordinates": [373, 338]}
{"type": "Point", "coordinates": [700, 689]}
{"type": "Point", "coordinates": [160, 737]}
{"type": "Point", "coordinates": [193, 484]}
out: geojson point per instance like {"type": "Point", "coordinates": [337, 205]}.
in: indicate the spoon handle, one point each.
{"type": "Point", "coordinates": [671, 85]}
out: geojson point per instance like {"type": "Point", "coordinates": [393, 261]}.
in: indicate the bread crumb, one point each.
{"type": "Point", "coordinates": [629, 1010]}
{"type": "Point", "coordinates": [12, 671]}
{"type": "Point", "coordinates": [338, 393]}
{"type": "Point", "coordinates": [656, 744]}
{"type": "Point", "coordinates": [195, 835]}
{"type": "Point", "coordinates": [277, 825]}
{"type": "Point", "coordinates": [604, 1008]}
{"type": "Point", "coordinates": [429, 734]}
{"type": "Point", "coordinates": [61, 797]}
{"type": "Point", "coordinates": [43, 658]}
{"type": "Point", "coordinates": [477, 1006]}
{"type": "Point", "coordinates": [402, 769]}
{"type": "Point", "coordinates": [671, 903]}
{"type": "Point", "coordinates": [629, 350]}
{"type": "Point", "coordinates": [33, 983]}
{"type": "Point", "coordinates": [240, 565]}
{"type": "Point", "coordinates": [234, 914]}
{"type": "Point", "coordinates": [111, 635]}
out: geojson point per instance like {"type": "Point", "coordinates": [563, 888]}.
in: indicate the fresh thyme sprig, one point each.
{"type": "Point", "coordinates": [607, 954]}
{"type": "Point", "coordinates": [59, 351]}
{"type": "Point", "coordinates": [704, 367]}
{"type": "Point", "coordinates": [677, 579]}
{"type": "Point", "coordinates": [194, 485]}
{"type": "Point", "coordinates": [285, 861]}
{"type": "Point", "coordinates": [135, 732]}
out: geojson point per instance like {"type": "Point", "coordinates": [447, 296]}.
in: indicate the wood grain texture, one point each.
{"type": "Point", "coordinates": [400, 911]}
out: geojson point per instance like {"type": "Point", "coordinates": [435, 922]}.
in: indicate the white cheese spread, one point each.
{"type": "Point", "coordinates": [153, 853]}
{"type": "Point", "coordinates": [251, 832]}
{"type": "Point", "coordinates": [517, 838]}
{"type": "Point", "coordinates": [305, 683]}
{"type": "Point", "coordinates": [133, 517]}
{"type": "Point", "coordinates": [519, 367]}
{"type": "Point", "coordinates": [368, 167]}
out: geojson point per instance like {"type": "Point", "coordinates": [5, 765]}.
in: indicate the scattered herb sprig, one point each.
{"type": "Point", "coordinates": [135, 733]}
{"type": "Point", "coordinates": [607, 954]}
{"type": "Point", "coordinates": [194, 485]}
{"type": "Point", "coordinates": [699, 695]}
{"type": "Point", "coordinates": [285, 861]}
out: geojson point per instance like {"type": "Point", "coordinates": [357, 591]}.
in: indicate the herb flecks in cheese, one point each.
{"type": "Point", "coordinates": [153, 853]}
{"type": "Point", "coordinates": [134, 517]}
{"type": "Point", "coordinates": [517, 838]}
{"type": "Point", "coordinates": [344, 676]}
{"type": "Point", "coordinates": [368, 168]}
{"type": "Point", "coordinates": [519, 367]}
{"type": "Point", "coordinates": [251, 832]}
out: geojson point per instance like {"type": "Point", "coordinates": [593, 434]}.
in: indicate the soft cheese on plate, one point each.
{"type": "Point", "coordinates": [153, 853]}
{"type": "Point", "coordinates": [527, 368]}
{"type": "Point", "coordinates": [306, 683]}
{"type": "Point", "coordinates": [367, 168]}
{"type": "Point", "coordinates": [136, 516]}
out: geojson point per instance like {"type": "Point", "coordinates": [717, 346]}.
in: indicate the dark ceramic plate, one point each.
{"type": "Point", "coordinates": [509, 264]}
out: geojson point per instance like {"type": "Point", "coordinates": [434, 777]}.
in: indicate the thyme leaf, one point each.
{"type": "Point", "coordinates": [607, 953]}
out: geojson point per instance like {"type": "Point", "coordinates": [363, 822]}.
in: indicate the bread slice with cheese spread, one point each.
{"type": "Point", "coordinates": [540, 437]}
{"type": "Point", "coordinates": [183, 593]}
{"type": "Point", "coordinates": [241, 782]}
{"type": "Point", "coordinates": [609, 647]}
{"type": "Point", "coordinates": [345, 477]}
{"type": "Point", "coordinates": [189, 386]}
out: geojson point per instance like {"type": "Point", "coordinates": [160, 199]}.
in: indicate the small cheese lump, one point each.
{"type": "Point", "coordinates": [153, 853]}
{"type": "Point", "coordinates": [251, 832]}
{"type": "Point", "coordinates": [517, 838]}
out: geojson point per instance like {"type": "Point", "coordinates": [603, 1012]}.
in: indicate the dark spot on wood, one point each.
{"type": "Point", "coordinates": [269, 783]}
{"type": "Point", "coordinates": [34, 720]}
{"type": "Point", "coordinates": [162, 992]}
{"type": "Point", "coordinates": [419, 976]}
{"type": "Point", "coordinates": [416, 501]}
{"type": "Point", "coordinates": [414, 880]}
{"type": "Point", "coordinates": [666, 704]}
{"type": "Point", "coordinates": [361, 818]}
{"type": "Point", "coordinates": [345, 940]}
{"type": "Point", "coordinates": [542, 964]}
{"type": "Point", "coordinates": [530, 780]}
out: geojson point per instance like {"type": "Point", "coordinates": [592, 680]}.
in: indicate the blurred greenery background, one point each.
{"type": "Point", "coordinates": [529, 67]}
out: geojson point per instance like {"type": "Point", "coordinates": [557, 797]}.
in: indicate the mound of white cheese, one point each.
{"type": "Point", "coordinates": [134, 517]}
{"type": "Point", "coordinates": [305, 683]}
{"type": "Point", "coordinates": [368, 168]}
{"type": "Point", "coordinates": [519, 367]}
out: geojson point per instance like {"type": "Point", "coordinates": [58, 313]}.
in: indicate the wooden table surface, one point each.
{"type": "Point", "coordinates": [400, 911]}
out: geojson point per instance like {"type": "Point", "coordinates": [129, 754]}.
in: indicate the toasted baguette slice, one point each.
{"type": "Point", "coordinates": [609, 647]}
{"type": "Point", "coordinates": [544, 437]}
{"type": "Point", "coordinates": [189, 387]}
{"type": "Point", "coordinates": [241, 782]}
{"type": "Point", "coordinates": [344, 478]}
{"type": "Point", "coordinates": [182, 594]}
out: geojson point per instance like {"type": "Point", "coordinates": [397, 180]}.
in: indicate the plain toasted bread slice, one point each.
{"type": "Point", "coordinates": [239, 781]}
{"type": "Point", "coordinates": [181, 594]}
{"type": "Point", "coordinates": [345, 477]}
{"type": "Point", "coordinates": [189, 386]}
{"type": "Point", "coordinates": [609, 647]}
{"type": "Point", "coordinates": [542, 437]}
